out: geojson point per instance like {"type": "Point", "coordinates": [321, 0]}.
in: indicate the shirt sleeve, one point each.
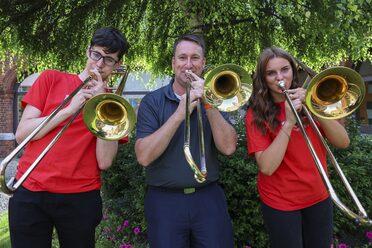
{"type": "Point", "coordinates": [256, 141]}
{"type": "Point", "coordinates": [37, 94]}
{"type": "Point", "coordinates": [123, 140]}
{"type": "Point", "coordinates": [147, 117]}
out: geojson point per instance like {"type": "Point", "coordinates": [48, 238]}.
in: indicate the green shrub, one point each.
{"type": "Point", "coordinates": [124, 189]}
{"type": "Point", "coordinates": [355, 162]}
{"type": "Point", "coordinates": [4, 231]}
{"type": "Point", "coordinates": [123, 193]}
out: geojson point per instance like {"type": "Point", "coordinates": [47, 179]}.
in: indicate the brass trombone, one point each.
{"type": "Point", "coordinates": [115, 118]}
{"type": "Point", "coordinates": [227, 87]}
{"type": "Point", "coordinates": [331, 94]}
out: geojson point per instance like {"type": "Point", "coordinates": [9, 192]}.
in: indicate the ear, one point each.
{"type": "Point", "coordinates": [173, 63]}
{"type": "Point", "coordinates": [87, 52]}
{"type": "Point", "coordinates": [119, 63]}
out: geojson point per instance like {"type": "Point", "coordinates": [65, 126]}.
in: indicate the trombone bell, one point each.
{"type": "Point", "coordinates": [329, 90]}
{"type": "Point", "coordinates": [335, 93]}
{"type": "Point", "coordinates": [225, 84]}
{"type": "Point", "coordinates": [227, 87]}
{"type": "Point", "coordinates": [109, 116]}
{"type": "Point", "coordinates": [111, 112]}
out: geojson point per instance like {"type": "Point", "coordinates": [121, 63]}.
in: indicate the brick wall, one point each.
{"type": "Point", "coordinates": [7, 82]}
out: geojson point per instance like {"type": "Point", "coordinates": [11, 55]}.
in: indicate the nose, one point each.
{"type": "Point", "coordinates": [279, 76]}
{"type": "Point", "coordinates": [100, 62]}
{"type": "Point", "coordinates": [188, 63]}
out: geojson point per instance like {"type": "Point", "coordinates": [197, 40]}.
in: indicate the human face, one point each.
{"type": "Point", "coordinates": [278, 69]}
{"type": "Point", "coordinates": [104, 62]}
{"type": "Point", "coordinates": [188, 56]}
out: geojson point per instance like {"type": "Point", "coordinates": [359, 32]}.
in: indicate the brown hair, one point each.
{"type": "Point", "coordinates": [264, 109]}
{"type": "Point", "coordinates": [193, 37]}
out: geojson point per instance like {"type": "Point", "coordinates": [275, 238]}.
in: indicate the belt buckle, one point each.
{"type": "Point", "coordinates": [188, 190]}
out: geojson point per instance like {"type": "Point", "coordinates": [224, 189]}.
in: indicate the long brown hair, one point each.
{"type": "Point", "coordinates": [264, 109]}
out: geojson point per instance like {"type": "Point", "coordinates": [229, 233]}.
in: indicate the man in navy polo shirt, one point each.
{"type": "Point", "coordinates": [180, 212]}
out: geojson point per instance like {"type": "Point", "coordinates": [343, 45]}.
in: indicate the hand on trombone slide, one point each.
{"type": "Point", "coordinates": [196, 83]}
{"type": "Point", "coordinates": [97, 84]}
{"type": "Point", "coordinates": [297, 97]}
{"type": "Point", "coordinates": [93, 87]}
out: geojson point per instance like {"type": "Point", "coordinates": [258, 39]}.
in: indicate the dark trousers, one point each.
{"type": "Point", "coordinates": [33, 215]}
{"type": "Point", "coordinates": [306, 228]}
{"type": "Point", "coordinates": [198, 219]}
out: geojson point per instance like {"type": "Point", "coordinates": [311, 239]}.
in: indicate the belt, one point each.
{"type": "Point", "coordinates": [181, 190]}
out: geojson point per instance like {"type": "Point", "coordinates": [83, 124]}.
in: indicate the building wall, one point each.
{"type": "Point", "coordinates": [7, 92]}
{"type": "Point", "coordinates": [365, 110]}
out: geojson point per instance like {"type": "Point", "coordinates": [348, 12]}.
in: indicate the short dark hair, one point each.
{"type": "Point", "coordinates": [193, 37]}
{"type": "Point", "coordinates": [111, 39]}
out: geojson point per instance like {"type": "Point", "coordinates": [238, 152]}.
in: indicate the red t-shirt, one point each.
{"type": "Point", "coordinates": [70, 166]}
{"type": "Point", "coordinates": [296, 183]}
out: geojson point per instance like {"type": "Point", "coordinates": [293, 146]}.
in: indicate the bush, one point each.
{"type": "Point", "coordinates": [123, 196]}
{"type": "Point", "coordinates": [4, 230]}
{"type": "Point", "coordinates": [355, 162]}
{"type": "Point", "coordinates": [124, 189]}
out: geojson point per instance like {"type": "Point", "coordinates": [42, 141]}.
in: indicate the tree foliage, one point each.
{"type": "Point", "coordinates": [56, 33]}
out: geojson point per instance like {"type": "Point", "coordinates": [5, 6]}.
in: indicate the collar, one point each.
{"type": "Point", "coordinates": [169, 93]}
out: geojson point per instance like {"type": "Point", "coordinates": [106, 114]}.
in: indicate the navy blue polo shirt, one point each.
{"type": "Point", "coordinates": [171, 168]}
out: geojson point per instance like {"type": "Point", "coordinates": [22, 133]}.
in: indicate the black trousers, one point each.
{"type": "Point", "coordinates": [33, 215]}
{"type": "Point", "coordinates": [187, 219]}
{"type": "Point", "coordinates": [305, 228]}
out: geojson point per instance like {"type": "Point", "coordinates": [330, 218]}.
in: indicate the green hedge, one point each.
{"type": "Point", "coordinates": [124, 188]}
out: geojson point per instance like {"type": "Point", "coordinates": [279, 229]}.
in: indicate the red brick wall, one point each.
{"type": "Point", "coordinates": [7, 81]}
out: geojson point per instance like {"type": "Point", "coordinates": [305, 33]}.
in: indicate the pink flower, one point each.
{"type": "Point", "coordinates": [369, 235]}
{"type": "Point", "coordinates": [342, 246]}
{"type": "Point", "coordinates": [119, 228]}
{"type": "Point", "coordinates": [125, 223]}
{"type": "Point", "coordinates": [136, 230]}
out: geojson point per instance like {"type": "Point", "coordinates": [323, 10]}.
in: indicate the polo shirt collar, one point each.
{"type": "Point", "coordinates": [169, 93]}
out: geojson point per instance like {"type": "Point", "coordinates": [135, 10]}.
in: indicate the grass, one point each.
{"type": "Point", "coordinates": [4, 231]}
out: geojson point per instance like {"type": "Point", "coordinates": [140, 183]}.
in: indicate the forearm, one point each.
{"type": "Point", "coordinates": [224, 135]}
{"type": "Point", "coordinates": [269, 160]}
{"type": "Point", "coordinates": [151, 147]}
{"type": "Point", "coordinates": [335, 133]}
{"type": "Point", "coordinates": [28, 125]}
{"type": "Point", "coordinates": [106, 151]}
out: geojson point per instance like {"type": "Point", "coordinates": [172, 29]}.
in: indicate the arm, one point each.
{"type": "Point", "coordinates": [335, 133]}
{"type": "Point", "coordinates": [152, 146]}
{"type": "Point", "coordinates": [225, 140]}
{"type": "Point", "coordinates": [31, 117]}
{"type": "Point", "coordinates": [269, 160]}
{"type": "Point", "coordinates": [106, 151]}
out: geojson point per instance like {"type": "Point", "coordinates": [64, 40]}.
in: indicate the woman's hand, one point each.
{"type": "Point", "coordinates": [297, 97]}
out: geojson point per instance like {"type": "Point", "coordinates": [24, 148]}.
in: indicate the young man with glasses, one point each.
{"type": "Point", "coordinates": [63, 192]}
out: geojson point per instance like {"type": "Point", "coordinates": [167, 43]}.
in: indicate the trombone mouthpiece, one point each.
{"type": "Point", "coordinates": [281, 84]}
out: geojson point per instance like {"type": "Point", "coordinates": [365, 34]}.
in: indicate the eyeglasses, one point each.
{"type": "Point", "coordinates": [107, 60]}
